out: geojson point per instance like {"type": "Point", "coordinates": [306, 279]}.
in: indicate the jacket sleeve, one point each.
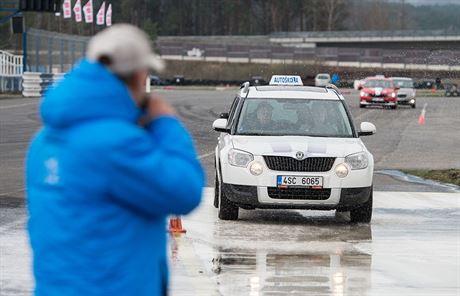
{"type": "Point", "coordinates": [157, 171]}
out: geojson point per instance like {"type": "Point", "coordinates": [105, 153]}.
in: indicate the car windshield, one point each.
{"type": "Point", "coordinates": [403, 83]}
{"type": "Point", "coordinates": [378, 83]}
{"type": "Point", "coordinates": [323, 77]}
{"type": "Point", "coordinates": [298, 117]}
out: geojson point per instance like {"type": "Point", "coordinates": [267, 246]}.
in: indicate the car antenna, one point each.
{"type": "Point", "coordinates": [334, 87]}
{"type": "Point", "coordinates": [244, 87]}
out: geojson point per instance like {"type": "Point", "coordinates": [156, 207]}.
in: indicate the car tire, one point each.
{"type": "Point", "coordinates": [216, 192]}
{"type": "Point", "coordinates": [413, 106]}
{"type": "Point", "coordinates": [227, 210]}
{"type": "Point", "coordinates": [362, 106]}
{"type": "Point", "coordinates": [363, 214]}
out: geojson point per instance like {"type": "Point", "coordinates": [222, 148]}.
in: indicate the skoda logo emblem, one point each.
{"type": "Point", "coordinates": [299, 155]}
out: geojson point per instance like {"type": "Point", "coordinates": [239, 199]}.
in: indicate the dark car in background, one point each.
{"type": "Point", "coordinates": [451, 90]}
{"type": "Point", "coordinates": [155, 80]}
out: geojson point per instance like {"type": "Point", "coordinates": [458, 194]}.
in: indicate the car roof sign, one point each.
{"type": "Point", "coordinates": [286, 80]}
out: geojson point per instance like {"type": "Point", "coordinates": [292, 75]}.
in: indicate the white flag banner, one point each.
{"type": "Point", "coordinates": [88, 11]}
{"type": "Point", "coordinates": [67, 9]}
{"type": "Point", "coordinates": [77, 11]}
{"type": "Point", "coordinates": [108, 16]}
{"type": "Point", "coordinates": [101, 15]}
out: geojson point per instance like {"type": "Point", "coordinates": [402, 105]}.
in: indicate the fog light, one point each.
{"type": "Point", "coordinates": [256, 168]}
{"type": "Point", "coordinates": [412, 101]}
{"type": "Point", "coordinates": [341, 170]}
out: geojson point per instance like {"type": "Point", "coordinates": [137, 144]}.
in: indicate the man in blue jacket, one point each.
{"type": "Point", "coordinates": [108, 166]}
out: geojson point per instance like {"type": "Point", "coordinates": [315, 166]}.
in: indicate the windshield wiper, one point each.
{"type": "Point", "coordinates": [252, 134]}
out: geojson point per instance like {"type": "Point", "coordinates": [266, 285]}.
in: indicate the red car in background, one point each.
{"type": "Point", "coordinates": [378, 91]}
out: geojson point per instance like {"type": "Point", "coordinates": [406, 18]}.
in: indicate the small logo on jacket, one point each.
{"type": "Point", "coordinates": [52, 167]}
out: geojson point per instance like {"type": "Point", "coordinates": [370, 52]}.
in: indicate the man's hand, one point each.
{"type": "Point", "coordinates": [156, 107]}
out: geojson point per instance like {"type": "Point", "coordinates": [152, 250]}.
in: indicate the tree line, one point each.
{"type": "Point", "coordinates": [255, 17]}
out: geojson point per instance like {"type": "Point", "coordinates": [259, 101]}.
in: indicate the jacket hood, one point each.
{"type": "Point", "coordinates": [290, 145]}
{"type": "Point", "coordinates": [88, 92]}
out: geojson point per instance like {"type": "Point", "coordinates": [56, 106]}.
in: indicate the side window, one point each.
{"type": "Point", "coordinates": [231, 114]}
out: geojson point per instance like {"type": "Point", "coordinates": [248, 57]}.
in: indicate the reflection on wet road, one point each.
{"type": "Point", "coordinates": [412, 241]}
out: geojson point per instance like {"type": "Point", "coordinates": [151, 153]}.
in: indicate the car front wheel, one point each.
{"type": "Point", "coordinates": [227, 210]}
{"type": "Point", "coordinates": [363, 214]}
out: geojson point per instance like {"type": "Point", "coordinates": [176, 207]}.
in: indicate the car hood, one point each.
{"type": "Point", "coordinates": [377, 90]}
{"type": "Point", "coordinates": [406, 91]}
{"type": "Point", "coordinates": [290, 145]}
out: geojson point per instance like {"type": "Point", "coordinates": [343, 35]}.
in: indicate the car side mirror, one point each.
{"type": "Point", "coordinates": [223, 115]}
{"type": "Point", "coordinates": [366, 129]}
{"type": "Point", "coordinates": [397, 88]}
{"type": "Point", "coordinates": [220, 125]}
{"type": "Point", "coordinates": [360, 87]}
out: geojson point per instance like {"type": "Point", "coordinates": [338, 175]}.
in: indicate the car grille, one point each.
{"type": "Point", "coordinates": [289, 164]}
{"type": "Point", "coordinates": [377, 96]}
{"type": "Point", "coordinates": [299, 193]}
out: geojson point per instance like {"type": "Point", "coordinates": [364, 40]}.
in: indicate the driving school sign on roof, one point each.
{"type": "Point", "coordinates": [285, 80]}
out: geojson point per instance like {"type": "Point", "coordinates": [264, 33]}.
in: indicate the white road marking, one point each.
{"type": "Point", "coordinates": [19, 105]}
{"type": "Point", "coordinates": [205, 155]}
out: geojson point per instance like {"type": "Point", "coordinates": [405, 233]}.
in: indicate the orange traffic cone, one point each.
{"type": "Point", "coordinates": [175, 225]}
{"type": "Point", "coordinates": [421, 118]}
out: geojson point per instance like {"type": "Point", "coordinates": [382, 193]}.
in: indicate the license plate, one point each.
{"type": "Point", "coordinates": [299, 181]}
{"type": "Point", "coordinates": [377, 100]}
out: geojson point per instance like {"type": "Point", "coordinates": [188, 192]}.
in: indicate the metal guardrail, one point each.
{"type": "Point", "coordinates": [10, 64]}
{"type": "Point", "coordinates": [369, 34]}
{"type": "Point", "coordinates": [34, 84]}
{"type": "Point", "coordinates": [10, 71]}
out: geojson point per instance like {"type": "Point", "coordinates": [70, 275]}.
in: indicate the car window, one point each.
{"type": "Point", "coordinates": [323, 77]}
{"type": "Point", "coordinates": [378, 83]}
{"type": "Point", "coordinates": [325, 118]}
{"type": "Point", "coordinates": [404, 83]}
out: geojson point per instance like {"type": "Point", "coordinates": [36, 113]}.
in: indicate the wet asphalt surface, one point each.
{"type": "Point", "coordinates": [412, 246]}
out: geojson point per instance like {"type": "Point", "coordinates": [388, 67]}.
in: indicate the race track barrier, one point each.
{"type": "Point", "coordinates": [34, 84]}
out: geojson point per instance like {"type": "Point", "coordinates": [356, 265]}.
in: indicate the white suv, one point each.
{"type": "Point", "coordinates": [288, 146]}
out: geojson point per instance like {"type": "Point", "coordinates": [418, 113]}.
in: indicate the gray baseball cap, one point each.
{"type": "Point", "coordinates": [128, 48]}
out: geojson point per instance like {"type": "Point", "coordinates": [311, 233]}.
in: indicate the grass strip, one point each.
{"type": "Point", "coordinates": [451, 176]}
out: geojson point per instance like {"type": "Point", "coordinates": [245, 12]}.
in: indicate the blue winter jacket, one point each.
{"type": "Point", "coordinates": [99, 188]}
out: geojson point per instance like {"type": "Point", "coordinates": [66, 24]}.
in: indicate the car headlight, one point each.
{"type": "Point", "coordinates": [393, 95]}
{"type": "Point", "coordinates": [363, 94]}
{"type": "Point", "coordinates": [341, 170]}
{"type": "Point", "coordinates": [256, 168]}
{"type": "Point", "coordinates": [357, 161]}
{"type": "Point", "coordinates": [239, 158]}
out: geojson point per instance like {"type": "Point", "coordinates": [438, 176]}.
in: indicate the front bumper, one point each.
{"type": "Point", "coordinates": [406, 100]}
{"type": "Point", "coordinates": [252, 197]}
{"type": "Point", "coordinates": [249, 191]}
{"type": "Point", "coordinates": [378, 101]}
